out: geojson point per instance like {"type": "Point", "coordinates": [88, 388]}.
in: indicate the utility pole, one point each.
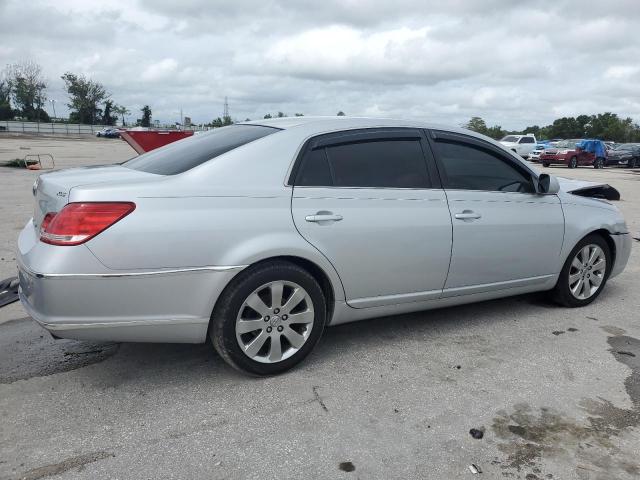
{"type": "Point", "coordinates": [225, 113]}
{"type": "Point", "coordinates": [53, 104]}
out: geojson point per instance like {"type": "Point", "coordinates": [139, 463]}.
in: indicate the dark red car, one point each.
{"type": "Point", "coordinates": [567, 152]}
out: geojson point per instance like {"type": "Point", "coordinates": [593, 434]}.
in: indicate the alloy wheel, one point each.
{"type": "Point", "coordinates": [587, 272]}
{"type": "Point", "coordinates": [274, 321]}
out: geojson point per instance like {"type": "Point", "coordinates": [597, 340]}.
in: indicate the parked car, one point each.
{"type": "Point", "coordinates": [576, 152]}
{"type": "Point", "coordinates": [540, 147]}
{"type": "Point", "coordinates": [108, 133]}
{"type": "Point", "coordinates": [523, 145]}
{"type": "Point", "coordinates": [260, 234]}
{"type": "Point", "coordinates": [625, 154]}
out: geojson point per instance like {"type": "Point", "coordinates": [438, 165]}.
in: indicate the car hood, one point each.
{"type": "Point", "coordinates": [588, 189]}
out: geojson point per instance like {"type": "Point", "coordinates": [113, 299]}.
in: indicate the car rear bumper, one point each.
{"type": "Point", "coordinates": [96, 303]}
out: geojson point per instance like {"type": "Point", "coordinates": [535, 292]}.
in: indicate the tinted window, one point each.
{"type": "Point", "coordinates": [375, 163]}
{"type": "Point", "coordinates": [314, 171]}
{"type": "Point", "coordinates": [526, 140]}
{"type": "Point", "coordinates": [467, 167]}
{"type": "Point", "coordinates": [185, 154]}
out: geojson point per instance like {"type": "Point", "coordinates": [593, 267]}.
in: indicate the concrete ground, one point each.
{"type": "Point", "coordinates": [555, 391]}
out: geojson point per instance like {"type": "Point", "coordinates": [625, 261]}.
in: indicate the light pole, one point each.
{"type": "Point", "coordinates": [53, 104]}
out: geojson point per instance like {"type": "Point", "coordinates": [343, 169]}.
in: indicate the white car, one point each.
{"type": "Point", "coordinates": [523, 145]}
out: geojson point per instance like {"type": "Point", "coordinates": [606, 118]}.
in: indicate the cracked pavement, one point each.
{"type": "Point", "coordinates": [556, 391]}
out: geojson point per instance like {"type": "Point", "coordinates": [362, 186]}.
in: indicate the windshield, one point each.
{"type": "Point", "coordinates": [624, 147]}
{"type": "Point", "coordinates": [183, 155]}
{"type": "Point", "coordinates": [510, 138]}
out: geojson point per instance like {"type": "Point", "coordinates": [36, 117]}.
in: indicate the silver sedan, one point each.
{"type": "Point", "coordinates": [261, 234]}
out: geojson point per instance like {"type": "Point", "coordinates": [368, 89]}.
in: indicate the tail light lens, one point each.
{"type": "Point", "coordinates": [78, 222]}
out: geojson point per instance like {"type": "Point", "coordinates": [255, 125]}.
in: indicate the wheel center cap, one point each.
{"type": "Point", "coordinates": [275, 321]}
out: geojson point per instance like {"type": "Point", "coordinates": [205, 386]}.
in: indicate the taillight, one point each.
{"type": "Point", "coordinates": [78, 222]}
{"type": "Point", "coordinates": [46, 221]}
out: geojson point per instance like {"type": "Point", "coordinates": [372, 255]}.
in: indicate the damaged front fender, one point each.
{"type": "Point", "coordinates": [589, 189]}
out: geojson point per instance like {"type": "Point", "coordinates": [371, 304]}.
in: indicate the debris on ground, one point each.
{"type": "Point", "coordinates": [8, 291]}
{"type": "Point", "coordinates": [477, 433]}
{"type": "Point", "coordinates": [346, 466]}
{"type": "Point", "coordinates": [474, 468]}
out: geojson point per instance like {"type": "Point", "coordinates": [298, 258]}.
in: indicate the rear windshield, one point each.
{"type": "Point", "coordinates": [185, 154]}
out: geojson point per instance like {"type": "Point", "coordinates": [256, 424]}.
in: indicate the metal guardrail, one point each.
{"type": "Point", "coordinates": [58, 128]}
{"type": "Point", "coordinates": [39, 128]}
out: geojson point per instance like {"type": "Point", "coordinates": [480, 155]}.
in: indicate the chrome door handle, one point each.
{"type": "Point", "coordinates": [467, 215]}
{"type": "Point", "coordinates": [323, 217]}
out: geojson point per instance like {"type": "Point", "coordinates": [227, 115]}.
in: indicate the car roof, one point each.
{"type": "Point", "coordinates": [330, 124]}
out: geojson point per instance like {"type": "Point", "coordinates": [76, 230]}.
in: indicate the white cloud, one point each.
{"type": "Point", "coordinates": [513, 63]}
{"type": "Point", "coordinates": [161, 70]}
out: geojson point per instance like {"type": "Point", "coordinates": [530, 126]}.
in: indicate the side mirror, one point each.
{"type": "Point", "coordinates": [548, 184]}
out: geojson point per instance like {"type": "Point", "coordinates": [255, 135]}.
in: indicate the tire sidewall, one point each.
{"type": "Point", "coordinates": [562, 287]}
{"type": "Point", "coordinates": [223, 327]}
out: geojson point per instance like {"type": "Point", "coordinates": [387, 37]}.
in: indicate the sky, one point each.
{"type": "Point", "coordinates": [513, 63]}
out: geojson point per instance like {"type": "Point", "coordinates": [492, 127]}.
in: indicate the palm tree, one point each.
{"type": "Point", "coordinates": [122, 111]}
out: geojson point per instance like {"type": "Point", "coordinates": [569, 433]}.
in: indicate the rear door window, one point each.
{"type": "Point", "coordinates": [178, 157]}
{"type": "Point", "coordinates": [379, 163]}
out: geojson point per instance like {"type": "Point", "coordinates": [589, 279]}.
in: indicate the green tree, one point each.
{"type": "Point", "coordinates": [107, 117]}
{"type": "Point", "coordinates": [85, 96]}
{"type": "Point", "coordinates": [280, 115]}
{"type": "Point", "coordinates": [121, 111]}
{"type": "Point", "coordinates": [477, 124]}
{"type": "Point", "coordinates": [146, 116]}
{"type": "Point", "coordinates": [340, 114]}
{"type": "Point", "coordinates": [299, 114]}
{"type": "Point", "coordinates": [27, 86]}
{"type": "Point", "coordinates": [6, 112]}
{"type": "Point", "coordinates": [268, 115]}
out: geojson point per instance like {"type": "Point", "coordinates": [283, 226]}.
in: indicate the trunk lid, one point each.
{"type": "Point", "coordinates": [51, 190]}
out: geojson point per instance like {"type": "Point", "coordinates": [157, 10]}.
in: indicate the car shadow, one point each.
{"type": "Point", "coordinates": [108, 365]}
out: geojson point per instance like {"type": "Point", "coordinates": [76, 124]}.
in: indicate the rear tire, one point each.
{"type": "Point", "coordinates": [569, 290]}
{"type": "Point", "coordinates": [253, 350]}
{"type": "Point", "coordinates": [545, 164]}
{"type": "Point", "coordinates": [598, 163]}
{"type": "Point", "coordinates": [573, 162]}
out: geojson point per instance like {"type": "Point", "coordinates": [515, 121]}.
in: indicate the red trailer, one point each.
{"type": "Point", "coordinates": [145, 140]}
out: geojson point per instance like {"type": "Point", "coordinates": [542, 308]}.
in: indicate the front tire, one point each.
{"type": "Point", "coordinates": [585, 272]}
{"type": "Point", "coordinates": [545, 164]}
{"type": "Point", "coordinates": [573, 162]}
{"type": "Point", "coordinates": [269, 318]}
{"type": "Point", "coordinates": [598, 163]}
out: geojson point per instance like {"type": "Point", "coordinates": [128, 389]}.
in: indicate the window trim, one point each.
{"type": "Point", "coordinates": [453, 137]}
{"type": "Point", "coordinates": [343, 137]}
